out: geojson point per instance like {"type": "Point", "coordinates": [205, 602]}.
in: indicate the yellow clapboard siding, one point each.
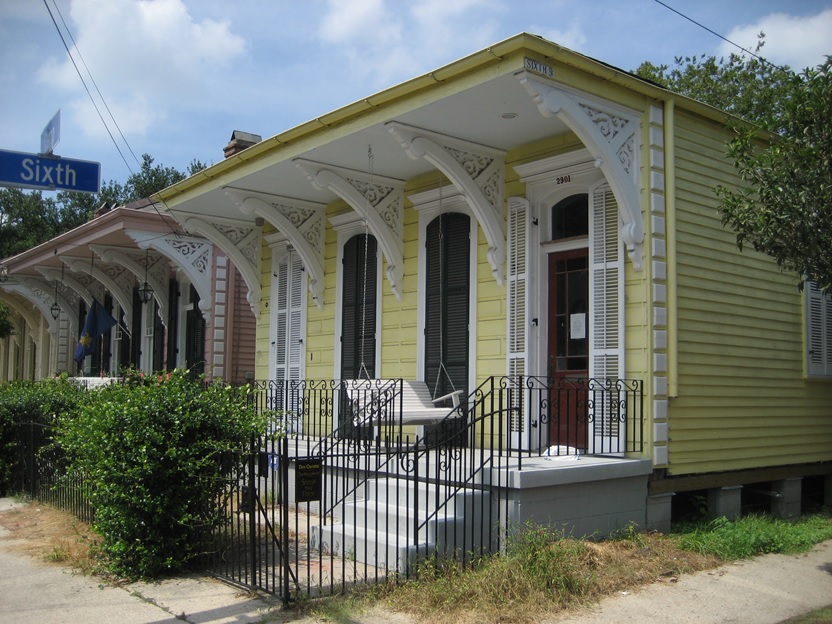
{"type": "Point", "coordinates": [742, 399]}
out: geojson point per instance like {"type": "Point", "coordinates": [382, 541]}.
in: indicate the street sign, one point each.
{"type": "Point", "coordinates": [51, 134]}
{"type": "Point", "coordinates": [48, 173]}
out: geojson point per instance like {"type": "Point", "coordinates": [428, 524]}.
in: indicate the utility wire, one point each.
{"type": "Point", "coordinates": [92, 99]}
{"type": "Point", "coordinates": [95, 84]}
{"type": "Point", "coordinates": [716, 34]}
{"type": "Point", "coordinates": [86, 88]}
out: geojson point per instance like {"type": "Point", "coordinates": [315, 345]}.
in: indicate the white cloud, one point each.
{"type": "Point", "coordinates": [799, 42]}
{"type": "Point", "coordinates": [356, 21]}
{"type": "Point", "coordinates": [385, 41]}
{"type": "Point", "coordinates": [146, 57]}
{"type": "Point", "coordinates": [572, 38]}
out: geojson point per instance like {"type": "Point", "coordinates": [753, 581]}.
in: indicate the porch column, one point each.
{"type": "Point", "coordinates": [658, 512]}
{"type": "Point", "coordinates": [786, 503]}
{"type": "Point", "coordinates": [725, 501]}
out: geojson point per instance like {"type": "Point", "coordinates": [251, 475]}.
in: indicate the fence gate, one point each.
{"type": "Point", "coordinates": [252, 538]}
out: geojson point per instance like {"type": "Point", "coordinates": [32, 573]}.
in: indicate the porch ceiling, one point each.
{"type": "Point", "coordinates": [474, 114]}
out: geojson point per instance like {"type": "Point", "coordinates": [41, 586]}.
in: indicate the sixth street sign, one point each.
{"type": "Point", "coordinates": [48, 173]}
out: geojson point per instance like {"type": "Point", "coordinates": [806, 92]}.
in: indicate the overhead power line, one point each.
{"type": "Point", "coordinates": [86, 88]}
{"type": "Point", "coordinates": [716, 34]}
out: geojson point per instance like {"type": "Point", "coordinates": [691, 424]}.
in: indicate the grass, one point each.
{"type": "Point", "coordinates": [819, 616]}
{"type": "Point", "coordinates": [541, 573]}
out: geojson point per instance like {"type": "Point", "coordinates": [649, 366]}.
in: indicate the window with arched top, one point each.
{"type": "Point", "coordinates": [570, 217]}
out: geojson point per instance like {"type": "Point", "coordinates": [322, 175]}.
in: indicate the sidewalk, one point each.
{"type": "Point", "coordinates": [766, 590]}
{"type": "Point", "coordinates": [31, 591]}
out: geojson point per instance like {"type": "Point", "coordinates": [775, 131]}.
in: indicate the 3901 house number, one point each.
{"type": "Point", "coordinates": [564, 179]}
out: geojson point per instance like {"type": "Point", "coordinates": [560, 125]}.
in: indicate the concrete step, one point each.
{"type": "Point", "coordinates": [387, 552]}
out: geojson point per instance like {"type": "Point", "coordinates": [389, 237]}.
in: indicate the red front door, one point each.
{"type": "Point", "coordinates": [568, 348]}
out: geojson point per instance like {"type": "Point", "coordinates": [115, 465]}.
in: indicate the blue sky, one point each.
{"type": "Point", "coordinates": [179, 76]}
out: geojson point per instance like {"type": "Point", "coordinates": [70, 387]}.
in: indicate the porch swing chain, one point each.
{"type": "Point", "coordinates": [363, 367]}
{"type": "Point", "coordinates": [442, 367]}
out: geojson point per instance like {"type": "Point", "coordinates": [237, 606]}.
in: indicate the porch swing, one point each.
{"type": "Point", "coordinates": [418, 405]}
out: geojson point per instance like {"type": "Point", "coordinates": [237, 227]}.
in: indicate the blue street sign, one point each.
{"type": "Point", "coordinates": [48, 173]}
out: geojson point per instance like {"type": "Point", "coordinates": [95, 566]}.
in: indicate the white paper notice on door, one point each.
{"type": "Point", "coordinates": [577, 326]}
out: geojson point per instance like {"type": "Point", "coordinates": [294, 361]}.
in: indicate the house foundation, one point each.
{"type": "Point", "coordinates": [787, 496]}
{"type": "Point", "coordinates": [725, 501]}
{"type": "Point", "coordinates": [586, 497]}
{"type": "Point", "coordinates": [659, 512]}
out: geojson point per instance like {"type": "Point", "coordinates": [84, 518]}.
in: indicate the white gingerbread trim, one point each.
{"type": "Point", "coordinates": [477, 173]}
{"type": "Point", "coordinates": [194, 256]}
{"type": "Point", "coordinates": [137, 268]}
{"type": "Point", "coordinates": [302, 224]}
{"type": "Point", "coordinates": [114, 278]}
{"type": "Point", "coordinates": [40, 305]}
{"type": "Point", "coordinates": [242, 245]}
{"type": "Point", "coordinates": [611, 135]}
{"type": "Point", "coordinates": [377, 199]}
{"type": "Point", "coordinates": [51, 273]}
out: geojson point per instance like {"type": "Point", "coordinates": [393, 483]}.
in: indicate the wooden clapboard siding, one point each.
{"type": "Point", "coordinates": [319, 338]}
{"type": "Point", "coordinates": [743, 400]}
{"type": "Point", "coordinates": [241, 330]}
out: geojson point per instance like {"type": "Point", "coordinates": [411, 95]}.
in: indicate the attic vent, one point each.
{"type": "Point", "coordinates": [240, 141]}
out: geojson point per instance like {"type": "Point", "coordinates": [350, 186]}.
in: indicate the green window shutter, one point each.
{"type": "Point", "coordinates": [448, 301]}
{"type": "Point", "coordinates": [818, 331]}
{"type": "Point", "coordinates": [358, 309]}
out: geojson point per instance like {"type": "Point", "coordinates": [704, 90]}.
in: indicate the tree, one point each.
{"type": "Point", "coordinates": [748, 87]}
{"type": "Point", "coordinates": [783, 155]}
{"type": "Point", "coordinates": [785, 209]}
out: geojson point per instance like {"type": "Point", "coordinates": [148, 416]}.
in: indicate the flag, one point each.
{"type": "Point", "coordinates": [98, 321]}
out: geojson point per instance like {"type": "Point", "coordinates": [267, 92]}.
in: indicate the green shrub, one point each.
{"type": "Point", "coordinates": [27, 412]}
{"type": "Point", "coordinates": [154, 451]}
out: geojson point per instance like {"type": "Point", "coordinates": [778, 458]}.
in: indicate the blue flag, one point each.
{"type": "Point", "coordinates": [98, 321]}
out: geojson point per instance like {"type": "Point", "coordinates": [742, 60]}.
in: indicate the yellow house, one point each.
{"type": "Point", "coordinates": [534, 225]}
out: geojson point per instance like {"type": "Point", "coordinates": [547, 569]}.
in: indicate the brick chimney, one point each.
{"type": "Point", "coordinates": [240, 141]}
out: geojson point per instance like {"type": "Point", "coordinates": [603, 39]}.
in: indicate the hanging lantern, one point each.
{"type": "Point", "coordinates": [146, 290]}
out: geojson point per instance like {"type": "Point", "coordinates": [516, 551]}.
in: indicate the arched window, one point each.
{"type": "Point", "coordinates": [570, 217]}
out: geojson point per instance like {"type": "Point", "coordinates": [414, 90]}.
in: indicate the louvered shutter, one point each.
{"type": "Point", "coordinates": [288, 295]}
{"type": "Point", "coordinates": [295, 313]}
{"type": "Point", "coordinates": [517, 336]}
{"type": "Point", "coordinates": [448, 286]}
{"type": "Point", "coordinates": [358, 309]}
{"type": "Point", "coordinates": [818, 330]}
{"type": "Point", "coordinates": [607, 327]}
{"type": "Point", "coordinates": [280, 299]}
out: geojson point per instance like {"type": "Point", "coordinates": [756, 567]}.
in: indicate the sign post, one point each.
{"type": "Point", "coordinates": [51, 135]}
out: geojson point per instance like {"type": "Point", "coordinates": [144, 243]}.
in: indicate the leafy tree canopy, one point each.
{"type": "Point", "coordinates": [785, 207]}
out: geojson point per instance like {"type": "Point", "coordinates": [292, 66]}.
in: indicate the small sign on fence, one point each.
{"type": "Point", "coordinates": [308, 479]}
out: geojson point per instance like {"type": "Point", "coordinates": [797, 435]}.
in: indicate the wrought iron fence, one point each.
{"type": "Point", "coordinates": [40, 471]}
{"type": "Point", "coordinates": [347, 493]}
{"type": "Point", "coordinates": [348, 487]}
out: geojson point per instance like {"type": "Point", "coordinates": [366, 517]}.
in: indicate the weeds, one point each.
{"type": "Point", "coordinates": [754, 535]}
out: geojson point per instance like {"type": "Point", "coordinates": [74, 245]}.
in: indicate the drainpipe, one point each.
{"type": "Point", "coordinates": [670, 236]}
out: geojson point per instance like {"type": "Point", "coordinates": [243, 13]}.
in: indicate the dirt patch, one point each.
{"type": "Point", "coordinates": [49, 535]}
